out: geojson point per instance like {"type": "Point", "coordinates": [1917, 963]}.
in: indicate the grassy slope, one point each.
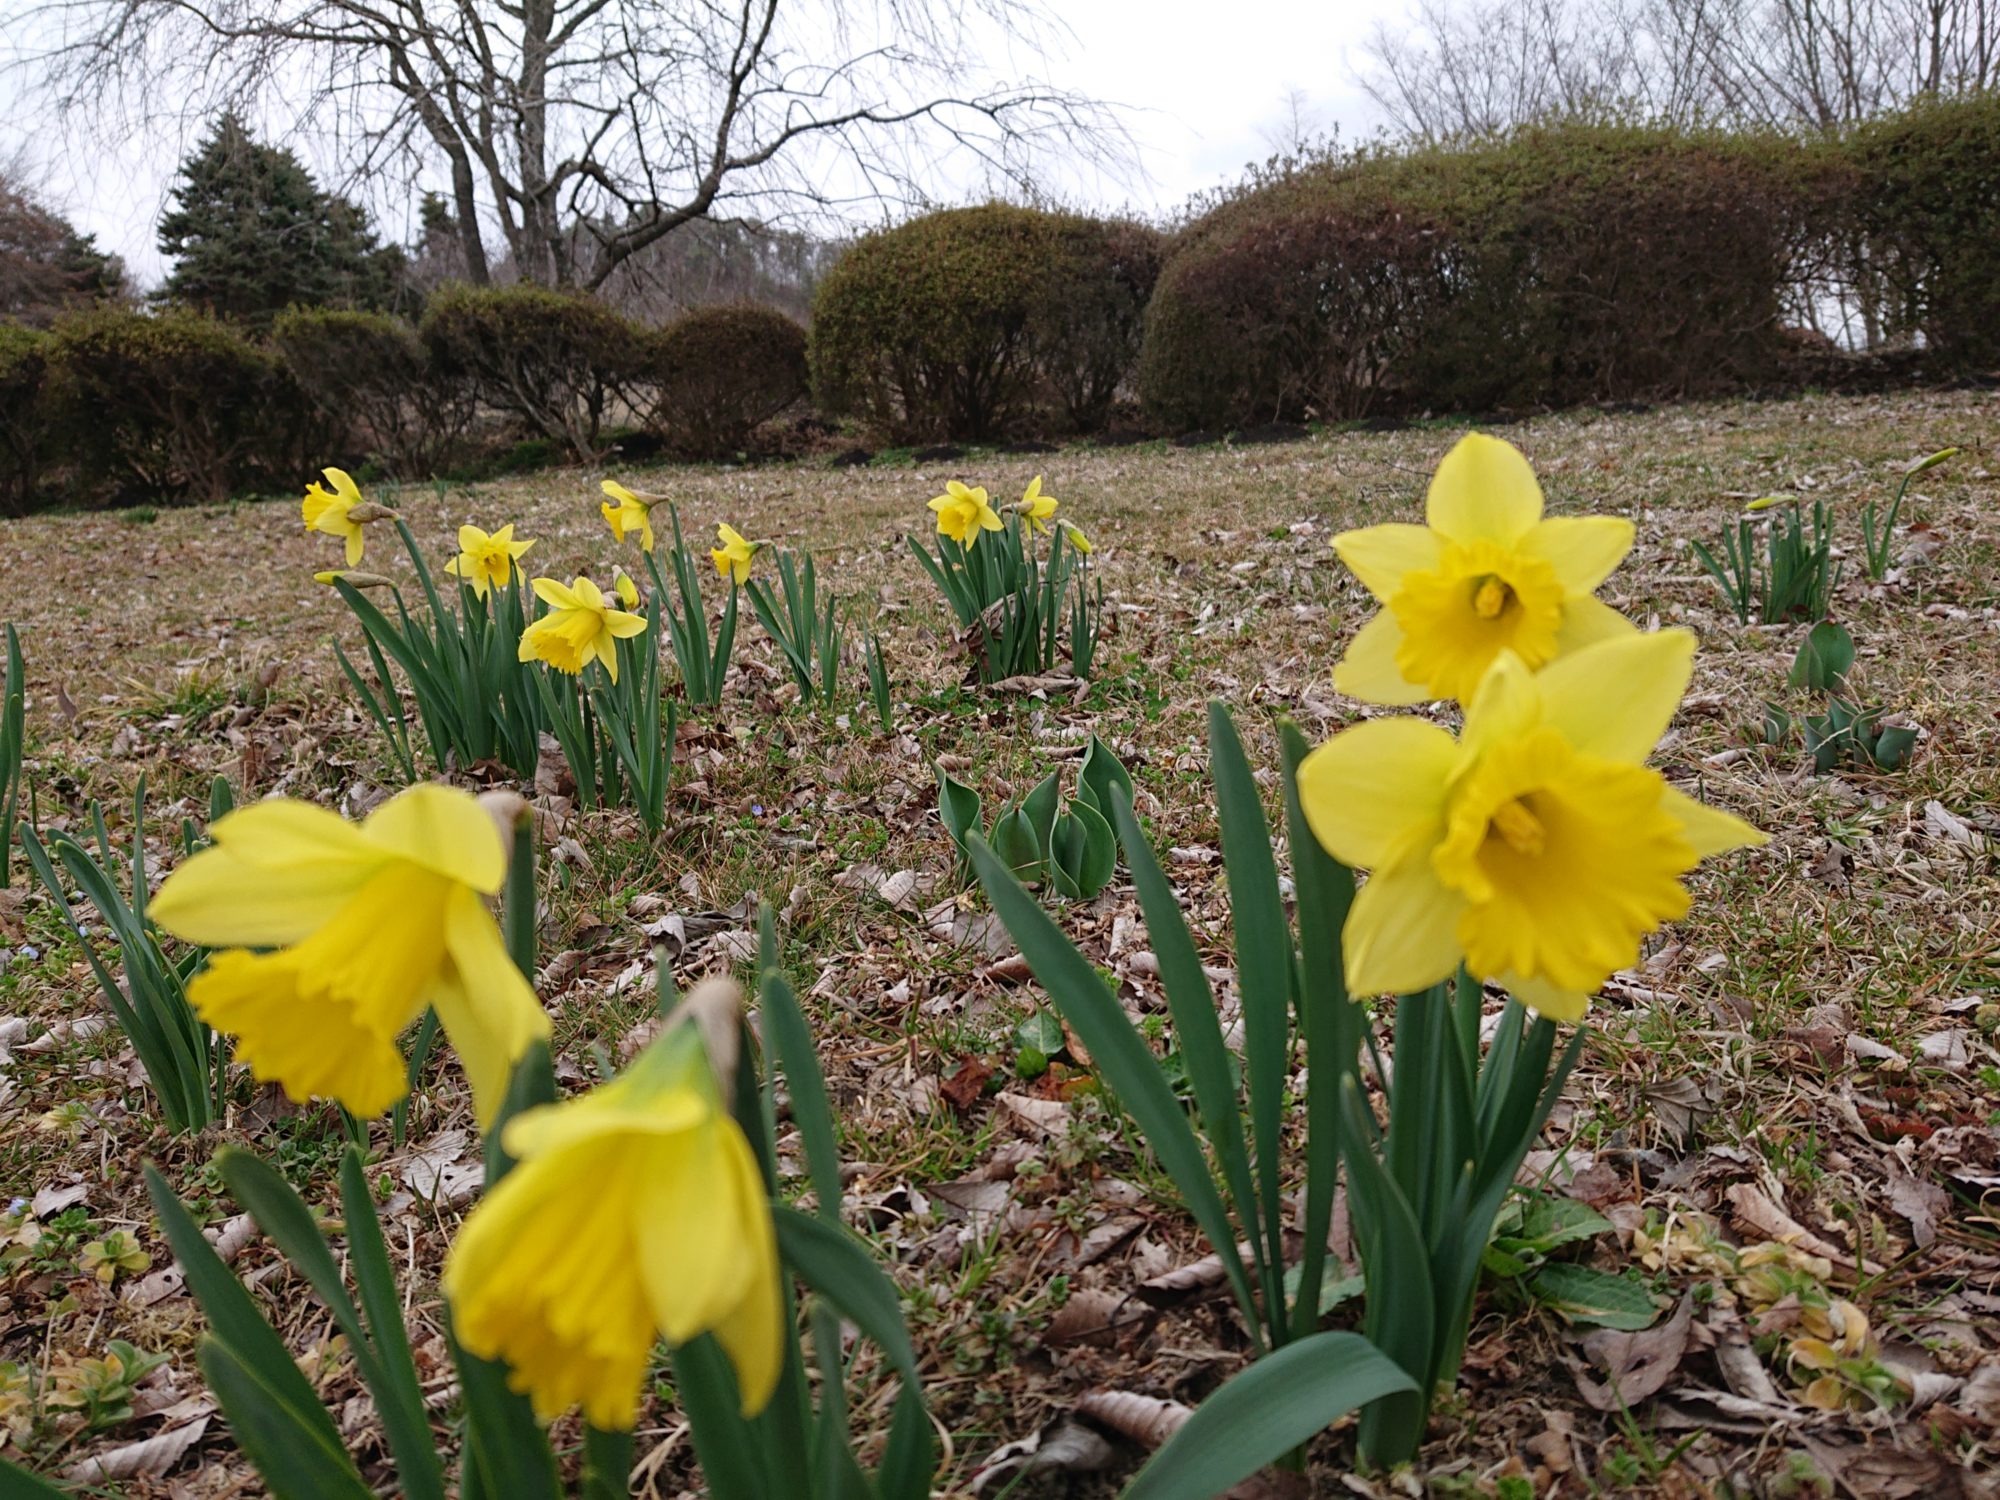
{"type": "Point", "coordinates": [196, 643]}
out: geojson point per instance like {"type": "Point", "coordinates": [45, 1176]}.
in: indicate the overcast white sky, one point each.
{"type": "Point", "coordinates": [1205, 83]}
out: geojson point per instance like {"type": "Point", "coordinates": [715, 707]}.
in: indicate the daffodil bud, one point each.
{"type": "Point", "coordinates": [354, 579]}
{"type": "Point", "coordinates": [508, 810]}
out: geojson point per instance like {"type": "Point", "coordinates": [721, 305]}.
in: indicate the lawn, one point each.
{"type": "Point", "coordinates": [1785, 1116]}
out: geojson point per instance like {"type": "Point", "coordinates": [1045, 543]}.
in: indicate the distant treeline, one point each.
{"type": "Point", "coordinates": [1553, 265]}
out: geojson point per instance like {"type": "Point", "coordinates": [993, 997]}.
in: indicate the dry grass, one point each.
{"type": "Point", "coordinates": [1781, 1048]}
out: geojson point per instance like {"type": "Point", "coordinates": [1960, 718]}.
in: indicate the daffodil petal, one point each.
{"type": "Point", "coordinates": [1507, 703]}
{"type": "Point", "coordinates": [622, 624]}
{"type": "Point", "coordinates": [1402, 931]}
{"type": "Point", "coordinates": [1380, 555]}
{"type": "Point", "coordinates": [1545, 998]}
{"type": "Point", "coordinates": [1582, 549]}
{"type": "Point", "coordinates": [487, 1007]}
{"type": "Point", "coordinates": [752, 1333]}
{"type": "Point", "coordinates": [1615, 699]}
{"type": "Point", "coordinates": [218, 899]}
{"type": "Point", "coordinates": [1586, 620]}
{"type": "Point", "coordinates": [555, 594]}
{"type": "Point", "coordinates": [1483, 490]}
{"type": "Point", "coordinates": [1372, 790]}
{"type": "Point", "coordinates": [443, 830]}
{"type": "Point", "coordinates": [1368, 669]}
{"type": "Point", "coordinates": [1709, 829]}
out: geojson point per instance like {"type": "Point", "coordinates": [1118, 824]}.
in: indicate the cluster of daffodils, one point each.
{"type": "Point", "coordinates": [1535, 847]}
{"type": "Point", "coordinates": [964, 512]}
{"type": "Point", "coordinates": [637, 1210]}
{"type": "Point", "coordinates": [581, 624]}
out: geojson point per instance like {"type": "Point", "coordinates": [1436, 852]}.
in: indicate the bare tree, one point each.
{"type": "Point", "coordinates": [1470, 68]}
{"type": "Point", "coordinates": [622, 119]}
{"type": "Point", "coordinates": [1455, 71]}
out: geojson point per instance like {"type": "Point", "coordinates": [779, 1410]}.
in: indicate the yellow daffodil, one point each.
{"type": "Point", "coordinates": [1036, 507]}
{"type": "Point", "coordinates": [372, 922]}
{"type": "Point", "coordinates": [629, 515]}
{"type": "Point", "coordinates": [339, 511]}
{"type": "Point", "coordinates": [734, 557]}
{"type": "Point", "coordinates": [1486, 574]}
{"type": "Point", "coordinates": [636, 1210]}
{"type": "Point", "coordinates": [1538, 848]}
{"type": "Point", "coordinates": [623, 586]}
{"type": "Point", "coordinates": [580, 624]}
{"type": "Point", "coordinates": [962, 513]}
{"type": "Point", "coordinates": [1076, 538]}
{"type": "Point", "coordinates": [486, 561]}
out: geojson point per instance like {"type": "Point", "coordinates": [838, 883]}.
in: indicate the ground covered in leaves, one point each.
{"type": "Point", "coordinates": [1783, 1124]}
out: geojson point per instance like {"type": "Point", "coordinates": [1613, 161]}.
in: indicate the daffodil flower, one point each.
{"type": "Point", "coordinates": [630, 515]}
{"type": "Point", "coordinates": [1486, 574]}
{"type": "Point", "coordinates": [623, 586]}
{"type": "Point", "coordinates": [1076, 538]}
{"type": "Point", "coordinates": [733, 559]}
{"type": "Point", "coordinates": [636, 1210]}
{"type": "Point", "coordinates": [372, 922]}
{"type": "Point", "coordinates": [1537, 848]}
{"type": "Point", "coordinates": [962, 513]}
{"type": "Point", "coordinates": [486, 561]}
{"type": "Point", "coordinates": [580, 624]}
{"type": "Point", "coordinates": [333, 511]}
{"type": "Point", "coordinates": [1036, 507]}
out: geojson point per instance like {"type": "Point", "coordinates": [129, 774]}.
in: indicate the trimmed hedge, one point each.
{"type": "Point", "coordinates": [373, 377]}
{"type": "Point", "coordinates": [175, 405]}
{"type": "Point", "coordinates": [718, 373]}
{"type": "Point", "coordinates": [556, 360]}
{"type": "Point", "coordinates": [982, 322]}
{"type": "Point", "coordinates": [1927, 204]}
{"type": "Point", "coordinates": [24, 414]}
{"type": "Point", "coordinates": [1563, 265]}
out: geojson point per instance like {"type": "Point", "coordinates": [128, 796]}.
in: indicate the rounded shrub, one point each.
{"type": "Point", "coordinates": [1563, 264]}
{"type": "Point", "coordinates": [556, 360]}
{"type": "Point", "coordinates": [24, 414]}
{"type": "Point", "coordinates": [977, 323]}
{"type": "Point", "coordinates": [1927, 205]}
{"type": "Point", "coordinates": [718, 373]}
{"type": "Point", "coordinates": [175, 404]}
{"type": "Point", "coordinates": [374, 377]}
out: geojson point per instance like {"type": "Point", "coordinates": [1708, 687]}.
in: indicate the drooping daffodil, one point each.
{"type": "Point", "coordinates": [487, 561]}
{"type": "Point", "coordinates": [580, 624]}
{"type": "Point", "coordinates": [635, 1210]}
{"type": "Point", "coordinates": [963, 512]}
{"type": "Point", "coordinates": [1035, 507]}
{"type": "Point", "coordinates": [372, 922]}
{"type": "Point", "coordinates": [340, 511]}
{"type": "Point", "coordinates": [1485, 574]}
{"type": "Point", "coordinates": [630, 516]}
{"type": "Point", "coordinates": [736, 555]}
{"type": "Point", "coordinates": [1537, 848]}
